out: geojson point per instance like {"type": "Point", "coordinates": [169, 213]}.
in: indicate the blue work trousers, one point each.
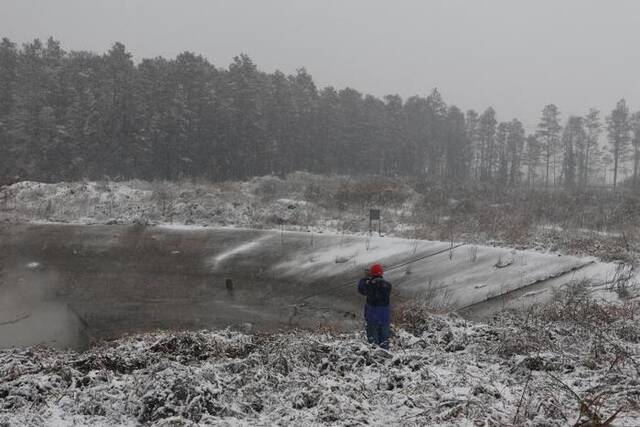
{"type": "Point", "coordinates": [378, 333]}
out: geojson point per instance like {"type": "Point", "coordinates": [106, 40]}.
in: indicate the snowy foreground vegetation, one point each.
{"type": "Point", "coordinates": [572, 361]}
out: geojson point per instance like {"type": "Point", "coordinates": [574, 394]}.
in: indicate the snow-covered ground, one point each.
{"type": "Point", "coordinates": [545, 369]}
{"type": "Point", "coordinates": [242, 204]}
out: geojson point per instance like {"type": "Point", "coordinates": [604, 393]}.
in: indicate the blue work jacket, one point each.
{"type": "Point", "coordinates": [378, 292]}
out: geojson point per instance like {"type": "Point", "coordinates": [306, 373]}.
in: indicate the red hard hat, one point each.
{"type": "Point", "coordinates": [376, 270]}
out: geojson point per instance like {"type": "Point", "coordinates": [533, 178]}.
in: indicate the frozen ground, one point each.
{"type": "Point", "coordinates": [545, 369]}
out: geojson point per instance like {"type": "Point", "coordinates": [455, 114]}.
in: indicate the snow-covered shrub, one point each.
{"type": "Point", "coordinates": [317, 193]}
{"type": "Point", "coordinates": [372, 191]}
{"type": "Point", "coordinates": [269, 187]}
{"type": "Point", "coordinates": [443, 370]}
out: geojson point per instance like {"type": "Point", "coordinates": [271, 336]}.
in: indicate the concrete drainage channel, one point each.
{"type": "Point", "coordinates": [520, 298]}
{"type": "Point", "coordinates": [70, 285]}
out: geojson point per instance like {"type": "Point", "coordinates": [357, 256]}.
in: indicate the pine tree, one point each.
{"type": "Point", "coordinates": [8, 78]}
{"type": "Point", "coordinates": [418, 113]}
{"type": "Point", "coordinates": [593, 130]}
{"type": "Point", "coordinates": [305, 100]}
{"type": "Point", "coordinates": [396, 139]}
{"type": "Point", "coordinates": [23, 121]}
{"type": "Point", "coordinates": [458, 147]}
{"type": "Point", "coordinates": [501, 166]}
{"type": "Point", "coordinates": [281, 126]}
{"type": "Point", "coordinates": [153, 94]}
{"type": "Point", "coordinates": [376, 152]}
{"type": "Point", "coordinates": [515, 146]}
{"type": "Point", "coordinates": [195, 76]}
{"type": "Point", "coordinates": [573, 141]}
{"type": "Point", "coordinates": [487, 133]}
{"type": "Point", "coordinates": [329, 130]}
{"type": "Point", "coordinates": [117, 111]}
{"type": "Point", "coordinates": [437, 123]}
{"type": "Point", "coordinates": [472, 123]}
{"type": "Point", "coordinates": [635, 141]}
{"type": "Point", "coordinates": [532, 155]}
{"type": "Point", "coordinates": [618, 128]}
{"type": "Point", "coordinates": [548, 132]}
{"type": "Point", "coordinates": [245, 94]}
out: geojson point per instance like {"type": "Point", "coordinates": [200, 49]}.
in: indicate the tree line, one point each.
{"type": "Point", "coordinates": [75, 115]}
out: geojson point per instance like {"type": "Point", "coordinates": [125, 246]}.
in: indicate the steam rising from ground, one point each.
{"type": "Point", "coordinates": [30, 312]}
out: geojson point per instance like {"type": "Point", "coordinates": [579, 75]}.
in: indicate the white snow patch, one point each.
{"type": "Point", "coordinates": [342, 257]}
{"type": "Point", "coordinates": [245, 247]}
{"type": "Point", "coordinates": [182, 227]}
{"type": "Point", "coordinates": [292, 202]}
{"type": "Point", "coordinates": [533, 293]}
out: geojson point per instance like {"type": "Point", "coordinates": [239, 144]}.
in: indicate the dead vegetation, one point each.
{"type": "Point", "coordinates": [573, 361]}
{"type": "Point", "coordinates": [575, 333]}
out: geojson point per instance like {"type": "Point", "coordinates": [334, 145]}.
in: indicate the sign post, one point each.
{"type": "Point", "coordinates": [374, 215]}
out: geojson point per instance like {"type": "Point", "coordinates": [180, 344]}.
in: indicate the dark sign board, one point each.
{"type": "Point", "coordinates": [374, 214]}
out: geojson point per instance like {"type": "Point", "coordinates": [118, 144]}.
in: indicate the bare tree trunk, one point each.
{"type": "Point", "coordinates": [586, 165]}
{"type": "Point", "coordinates": [636, 160]}
{"type": "Point", "coordinates": [546, 179]}
{"type": "Point", "coordinates": [554, 170]}
{"type": "Point", "coordinates": [615, 169]}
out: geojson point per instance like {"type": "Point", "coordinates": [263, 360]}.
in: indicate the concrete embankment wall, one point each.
{"type": "Point", "coordinates": [69, 284]}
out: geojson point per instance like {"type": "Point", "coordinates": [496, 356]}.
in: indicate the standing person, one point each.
{"type": "Point", "coordinates": [377, 312]}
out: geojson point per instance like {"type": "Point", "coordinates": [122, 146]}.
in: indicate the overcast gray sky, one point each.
{"type": "Point", "coordinates": [513, 55]}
